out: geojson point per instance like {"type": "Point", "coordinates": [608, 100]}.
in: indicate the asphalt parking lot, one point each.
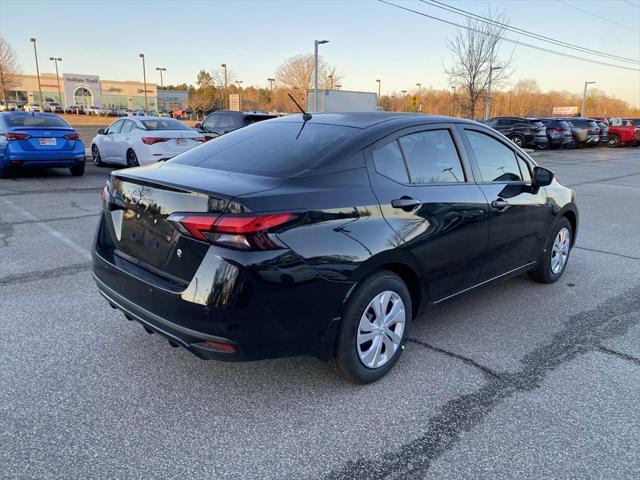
{"type": "Point", "coordinates": [519, 380]}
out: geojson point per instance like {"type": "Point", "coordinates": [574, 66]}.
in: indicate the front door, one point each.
{"type": "Point", "coordinates": [518, 214]}
{"type": "Point", "coordinates": [109, 147]}
{"type": "Point", "coordinates": [427, 195]}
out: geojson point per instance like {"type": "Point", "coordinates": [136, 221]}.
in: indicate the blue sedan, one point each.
{"type": "Point", "coordinates": [39, 140]}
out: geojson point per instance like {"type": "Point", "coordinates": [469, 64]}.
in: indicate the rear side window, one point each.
{"type": "Point", "coordinates": [278, 149]}
{"type": "Point", "coordinates": [431, 157]}
{"type": "Point", "coordinates": [128, 126]}
{"type": "Point", "coordinates": [35, 121]}
{"type": "Point", "coordinates": [211, 122]}
{"type": "Point", "coordinates": [496, 161]}
{"type": "Point", "coordinates": [389, 162]}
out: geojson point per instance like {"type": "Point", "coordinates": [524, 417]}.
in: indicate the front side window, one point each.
{"type": "Point", "coordinates": [389, 162]}
{"type": "Point", "coordinates": [211, 122]}
{"type": "Point", "coordinates": [496, 161]}
{"type": "Point", "coordinates": [115, 127]}
{"type": "Point", "coordinates": [524, 169]}
{"type": "Point", "coordinates": [431, 157]}
{"type": "Point", "coordinates": [225, 121]}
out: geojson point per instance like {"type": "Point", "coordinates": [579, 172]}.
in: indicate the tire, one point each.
{"type": "Point", "coordinates": [360, 318]}
{"type": "Point", "coordinates": [5, 172]}
{"type": "Point", "coordinates": [546, 271]}
{"type": "Point", "coordinates": [614, 141]}
{"type": "Point", "coordinates": [132, 159]}
{"type": "Point", "coordinates": [518, 140]}
{"type": "Point", "coordinates": [97, 159]}
{"type": "Point", "coordinates": [78, 170]}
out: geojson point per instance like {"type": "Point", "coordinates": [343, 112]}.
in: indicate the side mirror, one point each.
{"type": "Point", "coordinates": [198, 125]}
{"type": "Point", "coordinates": [101, 131]}
{"type": "Point", "coordinates": [541, 177]}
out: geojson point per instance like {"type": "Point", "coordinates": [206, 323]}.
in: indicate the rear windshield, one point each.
{"type": "Point", "coordinates": [249, 119]}
{"type": "Point", "coordinates": [271, 149]}
{"type": "Point", "coordinates": [165, 124]}
{"type": "Point", "coordinates": [36, 121]}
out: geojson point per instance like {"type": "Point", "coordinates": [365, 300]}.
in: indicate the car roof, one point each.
{"type": "Point", "coordinates": [31, 114]}
{"type": "Point", "coordinates": [369, 119]}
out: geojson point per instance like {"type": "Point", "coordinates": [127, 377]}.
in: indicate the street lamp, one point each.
{"type": "Point", "coordinates": [487, 103]}
{"type": "Point", "coordinates": [330, 82]}
{"type": "Point", "coordinates": [56, 60]}
{"type": "Point", "coordinates": [315, 74]}
{"type": "Point", "coordinates": [162, 69]}
{"type": "Point", "coordinates": [271, 80]}
{"type": "Point", "coordinates": [453, 106]}
{"type": "Point", "coordinates": [224, 65]}
{"type": "Point", "coordinates": [144, 76]}
{"type": "Point", "coordinates": [378, 80]}
{"type": "Point", "coordinates": [583, 112]}
{"type": "Point", "coordinates": [419, 85]}
{"type": "Point", "coordinates": [35, 52]}
{"type": "Point", "coordinates": [404, 99]}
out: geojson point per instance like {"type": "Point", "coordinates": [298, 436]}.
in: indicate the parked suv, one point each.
{"type": "Point", "coordinates": [225, 121]}
{"type": "Point", "coordinates": [325, 236]}
{"type": "Point", "coordinates": [558, 133]}
{"type": "Point", "coordinates": [585, 131]}
{"type": "Point", "coordinates": [524, 132]}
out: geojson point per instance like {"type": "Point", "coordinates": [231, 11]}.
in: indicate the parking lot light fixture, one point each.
{"type": "Point", "coordinates": [583, 112]}
{"type": "Point", "coordinates": [56, 60]}
{"type": "Point", "coordinates": [379, 82]}
{"type": "Point", "coordinates": [144, 76]}
{"type": "Point", "coordinates": [315, 72]}
{"type": "Point", "coordinates": [35, 53]}
{"type": "Point", "coordinates": [271, 80]}
{"type": "Point", "coordinates": [419, 85]}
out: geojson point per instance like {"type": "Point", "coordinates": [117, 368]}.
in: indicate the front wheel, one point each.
{"type": "Point", "coordinates": [556, 255]}
{"type": "Point", "coordinates": [614, 141]}
{"type": "Point", "coordinates": [95, 153]}
{"type": "Point", "coordinates": [374, 328]}
{"type": "Point", "coordinates": [518, 140]}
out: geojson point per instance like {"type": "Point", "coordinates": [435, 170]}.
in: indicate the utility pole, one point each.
{"type": "Point", "coordinates": [487, 102]}
{"type": "Point", "coordinates": [144, 76]}
{"type": "Point", "coordinates": [583, 112]}
{"type": "Point", "coordinates": [379, 82]}
{"type": "Point", "coordinates": [271, 80]}
{"type": "Point", "coordinates": [453, 106]}
{"type": "Point", "coordinates": [226, 102]}
{"type": "Point", "coordinates": [315, 72]}
{"type": "Point", "coordinates": [419, 85]}
{"type": "Point", "coordinates": [56, 60]}
{"type": "Point", "coordinates": [162, 69]}
{"type": "Point", "coordinates": [35, 52]}
{"type": "Point", "coordinates": [404, 99]}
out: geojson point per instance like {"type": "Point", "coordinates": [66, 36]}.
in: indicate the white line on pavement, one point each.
{"type": "Point", "coordinates": [50, 230]}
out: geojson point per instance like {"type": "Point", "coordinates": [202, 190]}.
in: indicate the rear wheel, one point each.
{"type": "Point", "coordinates": [374, 328]}
{"type": "Point", "coordinates": [77, 170]}
{"type": "Point", "coordinates": [97, 159]}
{"type": "Point", "coordinates": [614, 141]}
{"type": "Point", "coordinates": [556, 255]}
{"type": "Point", "coordinates": [518, 140]}
{"type": "Point", "coordinates": [132, 159]}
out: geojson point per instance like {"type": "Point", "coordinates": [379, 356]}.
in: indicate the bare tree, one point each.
{"type": "Point", "coordinates": [8, 68]}
{"type": "Point", "coordinates": [476, 51]}
{"type": "Point", "coordinates": [296, 74]}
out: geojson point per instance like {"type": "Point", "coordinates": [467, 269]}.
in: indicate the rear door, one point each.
{"type": "Point", "coordinates": [427, 195]}
{"type": "Point", "coordinates": [518, 214]}
{"type": "Point", "coordinates": [124, 139]}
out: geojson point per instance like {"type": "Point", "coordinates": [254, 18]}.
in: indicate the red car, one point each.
{"type": "Point", "coordinates": [621, 132]}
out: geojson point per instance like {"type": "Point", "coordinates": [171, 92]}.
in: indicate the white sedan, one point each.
{"type": "Point", "coordinates": [134, 141]}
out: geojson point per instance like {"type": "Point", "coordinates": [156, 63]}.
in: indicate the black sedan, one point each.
{"type": "Point", "coordinates": [325, 236]}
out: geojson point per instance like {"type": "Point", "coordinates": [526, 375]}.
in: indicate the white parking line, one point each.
{"type": "Point", "coordinates": [50, 230]}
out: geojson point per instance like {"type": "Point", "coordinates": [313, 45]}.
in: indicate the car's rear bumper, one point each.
{"type": "Point", "coordinates": [262, 304]}
{"type": "Point", "coordinates": [43, 162]}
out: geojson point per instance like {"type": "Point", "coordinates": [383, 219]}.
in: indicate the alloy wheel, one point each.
{"type": "Point", "coordinates": [96, 156]}
{"type": "Point", "coordinates": [518, 141]}
{"type": "Point", "coordinates": [380, 329]}
{"type": "Point", "coordinates": [560, 250]}
{"type": "Point", "coordinates": [132, 160]}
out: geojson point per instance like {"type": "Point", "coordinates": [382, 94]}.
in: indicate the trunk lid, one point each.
{"type": "Point", "coordinates": [46, 139]}
{"type": "Point", "coordinates": [141, 199]}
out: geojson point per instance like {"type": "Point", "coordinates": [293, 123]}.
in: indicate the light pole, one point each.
{"type": "Point", "coordinates": [162, 69]}
{"type": "Point", "coordinates": [419, 85]}
{"type": "Point", "coordinates": [315, 72]}
{"type": "Point", "coordinates": [224, 65]}
{"type": "Point", "coordinates": [56, 60]}
{"type": "Point", "coordinates": [271, 80]}
{"type": "Point", "coordinates": [144, 77]}
{"type": "Point", "coordinates": [330, 82]}
{"type": "Point", "coordinates": [35, 52]}
{"type": "Point", "coordinates": [404, 99]}
{"type": "Point", "coordinates": [510, 95]}
{"type": "Point", "coordinates": [453, 106]}
{"type": "Point", "coordinates": [583, 112]}
{"type": "Point", "coordinates": [487, 103]}
{"type": "Point", "coordinates": [379, 82]}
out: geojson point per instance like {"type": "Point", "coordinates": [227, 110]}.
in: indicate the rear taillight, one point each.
{"type": "Point", "coordinates": [15, 136]}
{"type": "Point", "coordinates": [153, 140]}
{"type": "Point", "coordinates": [199, 139]}
{"type": "Point", "coordinates": [559, 129]}
{"type": "Point", "coordinates": [72, 136]}
{"type": "Point", "coordinates": [244, 232]}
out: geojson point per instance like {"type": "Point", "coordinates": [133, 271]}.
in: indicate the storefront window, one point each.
{"type": "Point", "coordinates": [114, 101]}
{"type": "Point", "coordinates": [48, 97]}
{"type": "Point", "coordinates": [82, 96]}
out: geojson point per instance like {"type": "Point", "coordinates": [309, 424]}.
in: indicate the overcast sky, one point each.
{"type": "Point", "coordinates": [368, 39]}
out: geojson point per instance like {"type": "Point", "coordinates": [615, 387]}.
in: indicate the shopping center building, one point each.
{"type": "Point", "coordinates": [85, 90]}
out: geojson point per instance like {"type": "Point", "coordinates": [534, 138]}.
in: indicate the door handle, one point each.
{"type": "Point", "coordinates": [405, 203]}
{"type": "Point", "coordinates": [500, 204]}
